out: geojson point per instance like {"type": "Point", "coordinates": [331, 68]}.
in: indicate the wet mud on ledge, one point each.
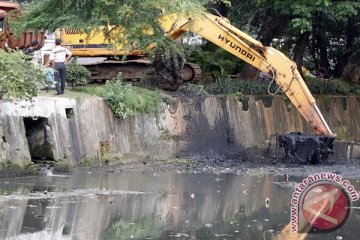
{"type": "Point", "coordinates": [255, 166]}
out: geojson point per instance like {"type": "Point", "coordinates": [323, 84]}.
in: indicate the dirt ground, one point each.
{"type": "Point", "coordinates": [241, 165]}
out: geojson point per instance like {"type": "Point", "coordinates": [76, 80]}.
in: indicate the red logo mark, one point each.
{"type": "Point", "coordinates": [325, 207]}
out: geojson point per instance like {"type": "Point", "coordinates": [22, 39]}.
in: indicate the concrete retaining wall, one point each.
{"type": "Point", "coordinates": [78, 129]}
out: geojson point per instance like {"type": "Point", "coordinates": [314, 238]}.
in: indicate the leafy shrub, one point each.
{"type": "Point", "coordinates": [357, 91]}
{"type": "Point", "coordinates": [247, 87]}
{"type": "Point", "coordinates": [126, 100]}
{"type": "Point", "coordinates": [216, 62]}
{"type": "Point", "coordinates": [62, 167]}
{"type": "Point", "coordinates": [327, 87]}
{"type": "Point", "coordinates": [77, 74]}
{"type": "Point", "coordinates": [19, 78]}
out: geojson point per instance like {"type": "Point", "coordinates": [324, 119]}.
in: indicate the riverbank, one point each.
{"type": "Point", "coordinates": [225, 130]}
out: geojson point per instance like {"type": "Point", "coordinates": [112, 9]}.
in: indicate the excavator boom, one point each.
{"type": "Point", "coordinates": [303, 148]}
{"type": "Point", "coordinates": [267, 59]}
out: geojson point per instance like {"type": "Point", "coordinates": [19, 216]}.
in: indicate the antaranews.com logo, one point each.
{"type": "Point", "coordinates": [321, 203]}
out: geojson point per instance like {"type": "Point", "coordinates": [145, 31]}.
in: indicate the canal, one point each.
{"type": "Point", "coordinates": [161, 205]}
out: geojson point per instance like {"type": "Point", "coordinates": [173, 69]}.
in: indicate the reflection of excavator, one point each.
{"type": "Point", "coordinates": [267, 59]}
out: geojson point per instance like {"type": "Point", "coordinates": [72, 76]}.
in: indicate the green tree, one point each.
{"type": "Point", "coordinates": [310, 30]}
{"type": "Point", "coordinates": [19, 78]}
{"type": "Point", "coordinates": [132, 16]}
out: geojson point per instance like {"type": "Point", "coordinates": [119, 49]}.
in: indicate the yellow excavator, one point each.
{"type": "Point", "coordinates": [219, 31]}
{"type": "Point", "coordinates": [133, 64]}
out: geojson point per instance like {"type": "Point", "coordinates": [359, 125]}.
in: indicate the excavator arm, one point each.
{"type": "Point", "coordinates": [267, 59]}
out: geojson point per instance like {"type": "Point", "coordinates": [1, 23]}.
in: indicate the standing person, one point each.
{"type": "Point", "coordinates": [59, 56]}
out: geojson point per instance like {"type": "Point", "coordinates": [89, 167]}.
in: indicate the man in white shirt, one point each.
{"type": "Point", "coordinates": [59, 57]}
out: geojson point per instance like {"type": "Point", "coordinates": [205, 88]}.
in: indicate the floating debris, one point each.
{"type": "Point", "coordinates": [178, 235]}
{"type": "Point", "coordinates": [267, 202]}
{"type": "Point", "coordinates": [209, 225]}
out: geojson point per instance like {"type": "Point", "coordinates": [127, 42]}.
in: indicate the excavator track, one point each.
{"type": "Point", "coordinates": [135, 70]}
{"type": "Point", "coordinates": [192, 73]}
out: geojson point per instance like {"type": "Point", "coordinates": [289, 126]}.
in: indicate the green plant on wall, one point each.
{"type": "Point", "coordinates": [77, 74]}
{"type": "Point", "coordinates": [126, 100]}
{"type": "Point", "coordinates": [19, 78]}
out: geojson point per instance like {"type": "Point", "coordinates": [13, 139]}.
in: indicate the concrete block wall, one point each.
{"type": "Point", "coordinates": [78, 129]}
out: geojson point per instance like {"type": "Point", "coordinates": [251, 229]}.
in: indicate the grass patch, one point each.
{"type": "Point", "coordinates": [93, 90]}
{"type": "Point", "coordinates": [11, 169]}
{"type": "Point", "coordinates": [126, 100]}
{"type": "Point", "coordinates": [61, 167]}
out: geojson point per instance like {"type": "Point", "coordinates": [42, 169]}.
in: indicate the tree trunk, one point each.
{"type": "Point", "coordinates": [322, 42]}
{"type": "Point", "coordinates": [313, 49]}
{"type": "Point", "coordinates": [352, 69]}
{"type": "Point", "coordinates": [272, 24]}
{"type": "Point", "coordinates": [350, 39]}
{"type": "Point", "coordinates": [222, 8]}
{"type": "Point", "coordinates": [350, 32]}
{"type": "Point", "coordinates": [299, 50]}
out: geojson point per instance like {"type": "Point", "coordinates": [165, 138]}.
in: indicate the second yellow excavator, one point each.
{"type": "Point", "coordinates": [219, 31]}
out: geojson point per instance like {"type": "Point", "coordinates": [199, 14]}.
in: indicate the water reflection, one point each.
{"type": "Point", "coordinates": [160, 206]}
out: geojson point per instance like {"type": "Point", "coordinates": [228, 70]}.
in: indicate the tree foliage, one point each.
{"type": "Point", "coordinates": [313, 32]}
{"type": "Point", "coordinates": [19, 78]}
{"type": "Point", "coordinates": [134, 17]}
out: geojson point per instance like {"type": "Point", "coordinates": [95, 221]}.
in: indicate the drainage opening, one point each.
{"type": "Point", "coordinates": [69, 113]}
{"type": "Point", "coordinates": [38, 134]}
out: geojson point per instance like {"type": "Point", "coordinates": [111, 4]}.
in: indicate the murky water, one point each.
{"type": "Point", "coordinates": [170, 205]}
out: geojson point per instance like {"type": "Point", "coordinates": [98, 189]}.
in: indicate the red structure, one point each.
{"type": "Point", "coordinates": [7, 38]}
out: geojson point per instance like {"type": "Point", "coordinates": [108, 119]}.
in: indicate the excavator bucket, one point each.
{"type": "Point", "coordinates": [304, 149]}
